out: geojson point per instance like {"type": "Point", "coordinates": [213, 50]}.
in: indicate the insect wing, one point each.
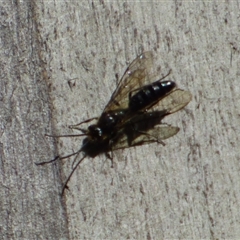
{"type": "Point", "coordinates": [138, 132]}
{"type": "Point", "coordinates": [156, 134]}
{"type": "Point", "coordinates": [135, 76]}
{"type": "Point", "coordinates": [173, 102]}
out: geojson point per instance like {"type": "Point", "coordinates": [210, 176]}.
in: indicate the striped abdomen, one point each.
{"type": "Point", "coordinates": [150, 94]}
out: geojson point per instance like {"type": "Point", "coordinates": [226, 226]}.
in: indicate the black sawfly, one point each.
{"type": "Point", "coordinates": [133, 114]}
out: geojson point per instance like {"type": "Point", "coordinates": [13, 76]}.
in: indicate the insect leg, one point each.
{"type": "Point", "coordinates": [110, 149]}
{"type": "Point", "coordinates": [86, 121]}
{"type": "Point", "coordinates": [73, 170]}
{"type": "Point", "coordinates": [84, 131]}
{"type": "Point", "coordinates": [58, 158]}
{"type": "Point", "coordinates": [68, 135]}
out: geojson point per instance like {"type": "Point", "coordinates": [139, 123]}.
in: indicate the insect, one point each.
{"type": "Point", "coordinates": [132, 115]}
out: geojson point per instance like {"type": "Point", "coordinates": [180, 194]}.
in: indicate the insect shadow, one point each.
{"type": "Point", "coordinates": [144, 128]}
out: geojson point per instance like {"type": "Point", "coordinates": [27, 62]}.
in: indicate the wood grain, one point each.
{"type": "Point", "coordinates": [60, 62]}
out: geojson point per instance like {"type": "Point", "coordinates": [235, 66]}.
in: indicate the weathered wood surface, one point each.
{"type": "Point", "coordinates": [188, 189]}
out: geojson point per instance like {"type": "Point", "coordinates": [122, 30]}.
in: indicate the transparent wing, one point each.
{"type": "Point", "coordinates": [173, 102]}
{"type": "Point", "coordinates": [135, 76]}
{"type": "Point", "coordinates": [144, 128]}
{"type": "Point", "coordinates": [137, 138]}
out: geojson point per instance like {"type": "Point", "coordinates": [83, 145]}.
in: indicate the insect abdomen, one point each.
{"type": "Point", "coordinates": [150, 94]}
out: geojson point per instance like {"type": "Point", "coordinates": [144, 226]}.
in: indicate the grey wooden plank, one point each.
{"type": "Point", "coordinates": [187, 189]}
{"type": "Point", "coordinates": [31, 207]}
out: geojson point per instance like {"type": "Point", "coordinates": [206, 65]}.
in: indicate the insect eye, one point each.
{"type": "Point", "coordinates": [95, 132]}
